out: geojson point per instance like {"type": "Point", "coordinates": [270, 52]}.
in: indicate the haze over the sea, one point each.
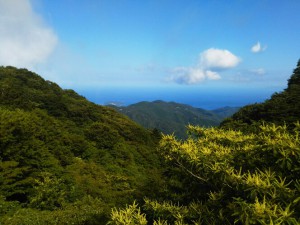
{"type": "Point", "coordinates": [207, 99]}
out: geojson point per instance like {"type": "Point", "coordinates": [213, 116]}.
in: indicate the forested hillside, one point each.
{"type": "Point", "coordinates": [65, 160]}
{"type": "Point", "coordinates": [172, 117]}
{"type": "Point", "coordinates": [63, 157]}
{"type": "Point", "coordinates": [282, 108]}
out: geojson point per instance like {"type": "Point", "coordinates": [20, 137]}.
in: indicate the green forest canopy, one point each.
{"type": "Point", "coordinates": [59, 150]}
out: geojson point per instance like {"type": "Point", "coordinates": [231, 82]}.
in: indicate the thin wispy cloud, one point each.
{"type": "Point", "coordinates": [211, 62]}
{"type": "Point", "coordinates": [259, 71]}
{"type": "Point", "coordinates": [258, 48]}
{"type": "Point", "coordinates": [25, 40]}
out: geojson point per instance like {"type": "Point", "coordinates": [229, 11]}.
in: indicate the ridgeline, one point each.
{"type": "Point", "coordinates": [172, 117]}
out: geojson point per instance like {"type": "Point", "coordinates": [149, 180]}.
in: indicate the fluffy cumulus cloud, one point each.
{"type": "Point", "coordinates": [211, 62]}
{"type": "Point", "coordinates": [184, 75]}
{"type": "Point", "coordinates": [218, 59]}
{"type": "Point", "coordinates": [258, 48]}
{"type": "Point", "coordinates": [25, 40]}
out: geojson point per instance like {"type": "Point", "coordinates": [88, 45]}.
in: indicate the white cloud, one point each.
{"type": "Point", "coordinates": [211, 60]}
{"type": "Point", "coordinates": [211, 75]}
{"type": "Point", "coordinates": [193, 75]}
{"type": "Point", "coordinates": [183, 75]}
{"type": "Point", "coordinates": [25, 40]}
{"type": "Point", "coordinates": [218, 59]}
{"type": "Point", "coordinates": [258, 48]}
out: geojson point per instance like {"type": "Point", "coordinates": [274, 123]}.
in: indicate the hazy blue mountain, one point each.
{"type": "Point", "coordinates": [171, 117]}
{"type": "Point", "coordinates": [226, 111]}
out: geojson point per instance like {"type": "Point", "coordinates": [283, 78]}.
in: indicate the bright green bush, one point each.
{"type": "Point", "coordinates": [246, 178]}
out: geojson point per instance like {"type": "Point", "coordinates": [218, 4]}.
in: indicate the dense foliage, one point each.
{"type": "Point", "coordinates": [171, 117]}
{"type": "Point", "coordinates": [64, 157]}
{"type": "Point", "coordinates": [232, 178]}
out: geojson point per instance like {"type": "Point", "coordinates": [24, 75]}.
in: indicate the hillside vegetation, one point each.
{"type": "Point", "coordinates": [171, 117]}
{"type": "Point", "coordinates": [60, 152]}
{"type": "Point", "coordinates": [226, 177]}
{"type": "Point", "coordinates": [65, 160]}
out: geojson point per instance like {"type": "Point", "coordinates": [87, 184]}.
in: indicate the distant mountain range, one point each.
{"type": "Point", "coordinates": [172, 117]}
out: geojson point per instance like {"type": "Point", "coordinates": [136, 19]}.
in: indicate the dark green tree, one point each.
{"type": "Point", "coordinates": [295, 78]}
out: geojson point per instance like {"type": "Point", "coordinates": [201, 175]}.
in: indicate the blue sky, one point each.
{"type": "Point", "coordinates": [204, 53]}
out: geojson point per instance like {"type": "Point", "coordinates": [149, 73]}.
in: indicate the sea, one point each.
{"type": "Point", "coordinates": [200, 98]}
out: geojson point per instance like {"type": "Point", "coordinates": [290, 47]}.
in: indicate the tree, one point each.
{"type": "Point", "coordinates": [295, 78]}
